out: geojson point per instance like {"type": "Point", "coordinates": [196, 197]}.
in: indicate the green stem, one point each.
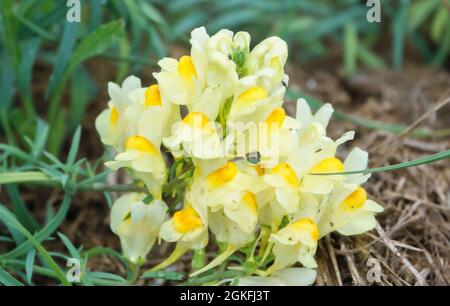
{"type": "Point", "coordinates": [41, 178]}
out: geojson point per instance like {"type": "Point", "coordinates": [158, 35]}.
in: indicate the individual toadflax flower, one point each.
{"type": "Point", "coordinates": [195, 136]}
{"type": "Point", "coordinates": [297, 242]}
{"type": "Point", "coordinates": [226, 184]}
{"type": "Point", "coordinates": [144, 157]}
{"type": "Point", "coordinates": [252, 97]}
{"type": "Point", "coordinates": [349, 212]}
{"type": "Point", "coordinates": [267, 59]}
{"type": "Point", "coordinates": [150, 112]}
{"type": "Point", "coordinates": [111, 123]}
{"type": "Point", "coordinates": [233, 225]}
{"type": "Point", "coordinates": [228, 192]}
{"type": "Point", "coordinates": [178, 80]}
{"type": "Point", "coordinates": [137, 224]}
{"type": "Point", "coordinates": [219, 58]}
{"type": "Point", "coordinates": [285, 183]}
{"type": "Point", "coordinates": [180, 84]}
{"type": "Point", "coordinates": [313, 162]}
{"type": "Point", "coordinates": [188, 227]}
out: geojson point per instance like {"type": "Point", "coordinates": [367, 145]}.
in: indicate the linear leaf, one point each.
{"type": "Point", "coordinates": [8, 217]}
{"type": "Point", "coordinates": [8, 280]}
{"type": "Point", "coordinates": [45, 232]}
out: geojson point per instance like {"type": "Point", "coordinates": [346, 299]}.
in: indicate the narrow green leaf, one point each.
{"type": "Point", "coordinates": [66, 46]}
{"type": "Point", "coordinates": [29, 263]}
{"type": "Point", "coordinates": [107, 276]}
{"type": "Point", "coordinates": [34, 27]}
{"type": "Point", "coordinates": [44, 233]}
{"type": "Point", "coordinates": [9, 33]}
{"type": "Point", "coordinates": [96, 42]}
{"type": "Point", "coordinates": [74, 147]}
{"type": "Point", "coordinates": [7, 77]}
{"type": "Point", "coordinates": [75, 254]}
{"type": "Point", "coordinates": [20, 177]}
{"type": "Point", "coordinates": [444, 47]}
{"type": "Point", "coordinates": [40, 137]}
{"type": "Point", "coordinates": [152, 13]}
{"type": "Point", "coordinates": [398, 34]}
{"type": "Point", "coordinates": [169, 275]}
{"type": "Point", "coordinates": [351, 48]}
{"type": "Point", "coordinates": [79, 99]}
{"type": "Point", "coordinates": [93, 44]}
{"type": "Point", "coordinates": [438, 24]}
{"type": "Point", "coordinates": [332, 23]}
{"type": "Point", "coordinates": [20, 210]}
{"type": "Point", "coordinates": [419, 11]}
{"type": "Point", "coordinates": [30, 50]}
{"type": "Point", "coordinates": [8, 280]}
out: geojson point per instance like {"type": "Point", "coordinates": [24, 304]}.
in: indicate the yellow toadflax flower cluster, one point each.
{"type": "Point", "coordinates": [211, 139]}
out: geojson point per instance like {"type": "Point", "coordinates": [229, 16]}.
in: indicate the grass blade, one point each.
{"type": "Point", "coordinates": [75, 254]}
{"type": "Point", "coordinates": [351, 48]}
{"type": "Point", "coordinates": [20, 177]}
{"type": "Point", "coordinates": [45, 232]}
{"type": "Point", "coordinates": [8, 217]}
{"type": "Point", "coordinates": [29, 263]}
{"type": "Point", "coordinates": [20, 210]}
{"type": "Point", "coordinates": [74, 147]}
{"type": "Point", "coordinates": [8, 280]}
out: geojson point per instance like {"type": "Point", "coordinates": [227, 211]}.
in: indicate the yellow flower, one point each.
{"type": "Point", "coordinates": [198, 137]}
{"type": "Point", "coordinates": [187, 226]}
{"type": "Point", "coordinates": [295, 242]}
{"type": "Point", "coordinates": [252, 100]}
{"type": "Point", "coordinates": [137, 224]}
{"type": "Point", "coordinates": [285, 182]}
{"type": "Point", "coordinates": [311, 163]}
{"type": "Point", "coordinates": [226, 184]}
{"type": "Point", "coordinates": [268, 58]}
{"type": "Point", "coordinates": [216, 57]}
{"type": "Point", "coordinates": [235, 224]}
{"type": "Point", "coordinates": [153, 96]}
{"type": "Point", "coordinates": [349, 212]}
{"type": "Point", "coordinates": [144, 157]}
{"type": "Point", "coordinates": [111, 123]}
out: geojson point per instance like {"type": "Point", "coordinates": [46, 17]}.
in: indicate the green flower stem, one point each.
{"type": "Point", "coordinates": [43, 179]}
{"type": "Point", "coordinates": [21, 177]}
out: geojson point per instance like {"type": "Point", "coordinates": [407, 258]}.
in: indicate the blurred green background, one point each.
{"type": "Point", "coordinates": [35, 36]}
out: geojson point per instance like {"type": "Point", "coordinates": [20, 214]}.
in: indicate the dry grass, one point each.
{"type": "Point", "coordinates": [411, 241]}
